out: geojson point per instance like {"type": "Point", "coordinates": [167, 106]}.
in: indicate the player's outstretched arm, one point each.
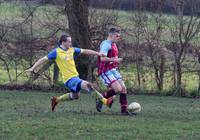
{"type": "Point", "coordinates": [107, 59]}
{"type": "Point", "coordinates": [37, 64]}
{"type": "Point", "coordinates": [91, 52]}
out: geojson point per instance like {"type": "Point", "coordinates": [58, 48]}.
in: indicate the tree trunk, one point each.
{"type": "Point", "coordinates": [198, 83]}
{"type": "Point", "coordinates": [174, 76]}
{"type": "Point", "coordinates": [16, 69]}
{"type": "Point", "coordinates": [158, 78]}
{"type": "Point", "coordinates": [138, 65]}
{"type": "Point", "coordinates": [199, 76]}
{"type": "Point", "coordinates": [138, 73]}
{"type": "Point", "coordinates": [179, 78]}
{"type": "Point", "coordinates": [162, 67]}
{"type": "Point", "coordinates": [90, 73]}
{"type": "Point", "coordinates": [77, 13]}
{"type": "Point", "coordinates": [55, 73]}
{"type": "Point", "coordinates": [31, 40]}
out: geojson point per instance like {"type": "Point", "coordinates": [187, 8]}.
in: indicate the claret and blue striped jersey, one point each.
{"type": "Point", "coordinates": [109, 49]}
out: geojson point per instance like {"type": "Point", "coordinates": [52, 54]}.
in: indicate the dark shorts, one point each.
{"type": "Point", "coordinates": [74, 84]}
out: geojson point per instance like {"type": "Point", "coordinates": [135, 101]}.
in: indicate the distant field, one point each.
{"type": "Point", "coordinates": [49, 14]}
{"type": "Point", "coordinates": [14, 12]}
{"type": "Point", "coordinates": [27, 116]}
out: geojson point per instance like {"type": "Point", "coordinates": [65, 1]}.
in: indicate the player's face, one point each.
{"type": "Point", "coordinates": [116, 37]}
{"type": "Point", "coordinates": [68, 43]}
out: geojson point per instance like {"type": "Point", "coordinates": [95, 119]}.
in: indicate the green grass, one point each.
{"type": "Point", "coordinates": [27, 116]}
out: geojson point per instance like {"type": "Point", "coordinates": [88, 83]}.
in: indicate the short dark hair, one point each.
{"type": "Point", "coordinates": [63, 38]}
{"type": "Point", "coordinates": [113, 30]}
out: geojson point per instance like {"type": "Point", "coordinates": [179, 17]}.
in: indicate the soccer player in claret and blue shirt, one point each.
{"type": "Point", "coordinates": [63, 55]}
{"type": "Point", "coordinates": [108, 71]}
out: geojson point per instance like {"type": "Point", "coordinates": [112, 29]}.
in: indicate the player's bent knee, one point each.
{"type": "Point", "coordinates": [118, 90]}
{"type": "Point", "coordinates": [86, 85]}
{"type": "Point", "coordinates": [89, 85]}
{"type": "Point", "coordinates": [124, 90]}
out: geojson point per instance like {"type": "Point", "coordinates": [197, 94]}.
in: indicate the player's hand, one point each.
{"type": "Point", "coordinates": [29, 71]}
{"type": "Point", "coordinates": [102, 55]}
{"type": "Point", "coordinates": [118, 60]}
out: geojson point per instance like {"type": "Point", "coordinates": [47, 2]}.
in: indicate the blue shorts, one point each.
{"type": "Point", "coordinates": [74, 84]}
{"type": "Point", "coordinates": [110, 77]}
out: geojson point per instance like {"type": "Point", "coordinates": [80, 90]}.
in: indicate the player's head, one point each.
{"type": "Point", "coordinates": [114, 34]}
{"type": "Point", "coordinates": [65, 40]}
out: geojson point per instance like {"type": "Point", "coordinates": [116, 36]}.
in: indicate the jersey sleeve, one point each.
{"type": "Point", "coordinates": [52, 55]}
{"type": "Point", "coordinates": [104, 48]}
{"type": "Point", "coordinates": [77, 50]}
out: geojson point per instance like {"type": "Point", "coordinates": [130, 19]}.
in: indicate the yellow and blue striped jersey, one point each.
{"type": "Point", "coordinates": [65, 61]}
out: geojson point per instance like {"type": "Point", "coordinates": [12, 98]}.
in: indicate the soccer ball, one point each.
{"type": "Point", "coordinates": [134, 107]}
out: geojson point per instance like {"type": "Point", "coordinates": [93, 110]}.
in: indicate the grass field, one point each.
{"type": "Point", "coordinates": [27, 116]}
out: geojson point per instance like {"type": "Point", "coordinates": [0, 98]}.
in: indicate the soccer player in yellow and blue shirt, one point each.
{"type": "Point", "coordinates": [63, 55]}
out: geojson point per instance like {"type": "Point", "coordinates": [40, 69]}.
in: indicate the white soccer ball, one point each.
{"type": "Point", "coordinates": [134, 107]}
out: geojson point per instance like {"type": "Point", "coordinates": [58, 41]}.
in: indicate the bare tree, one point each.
{"type": "Point", "coordinates": [147, 32]}
{"type": "Point", "coordinates": [77, 13]}
{"type": "Point", "coordinates": [153, 36]}
{"type": "Point", "coordinates": [138, 20]}
{"type": "Point", "coordinates": [88, 29]}
{"type": "Point", "coordinates": [184, 30]}
{"type": "Point", "coordinates": [29, 32]}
